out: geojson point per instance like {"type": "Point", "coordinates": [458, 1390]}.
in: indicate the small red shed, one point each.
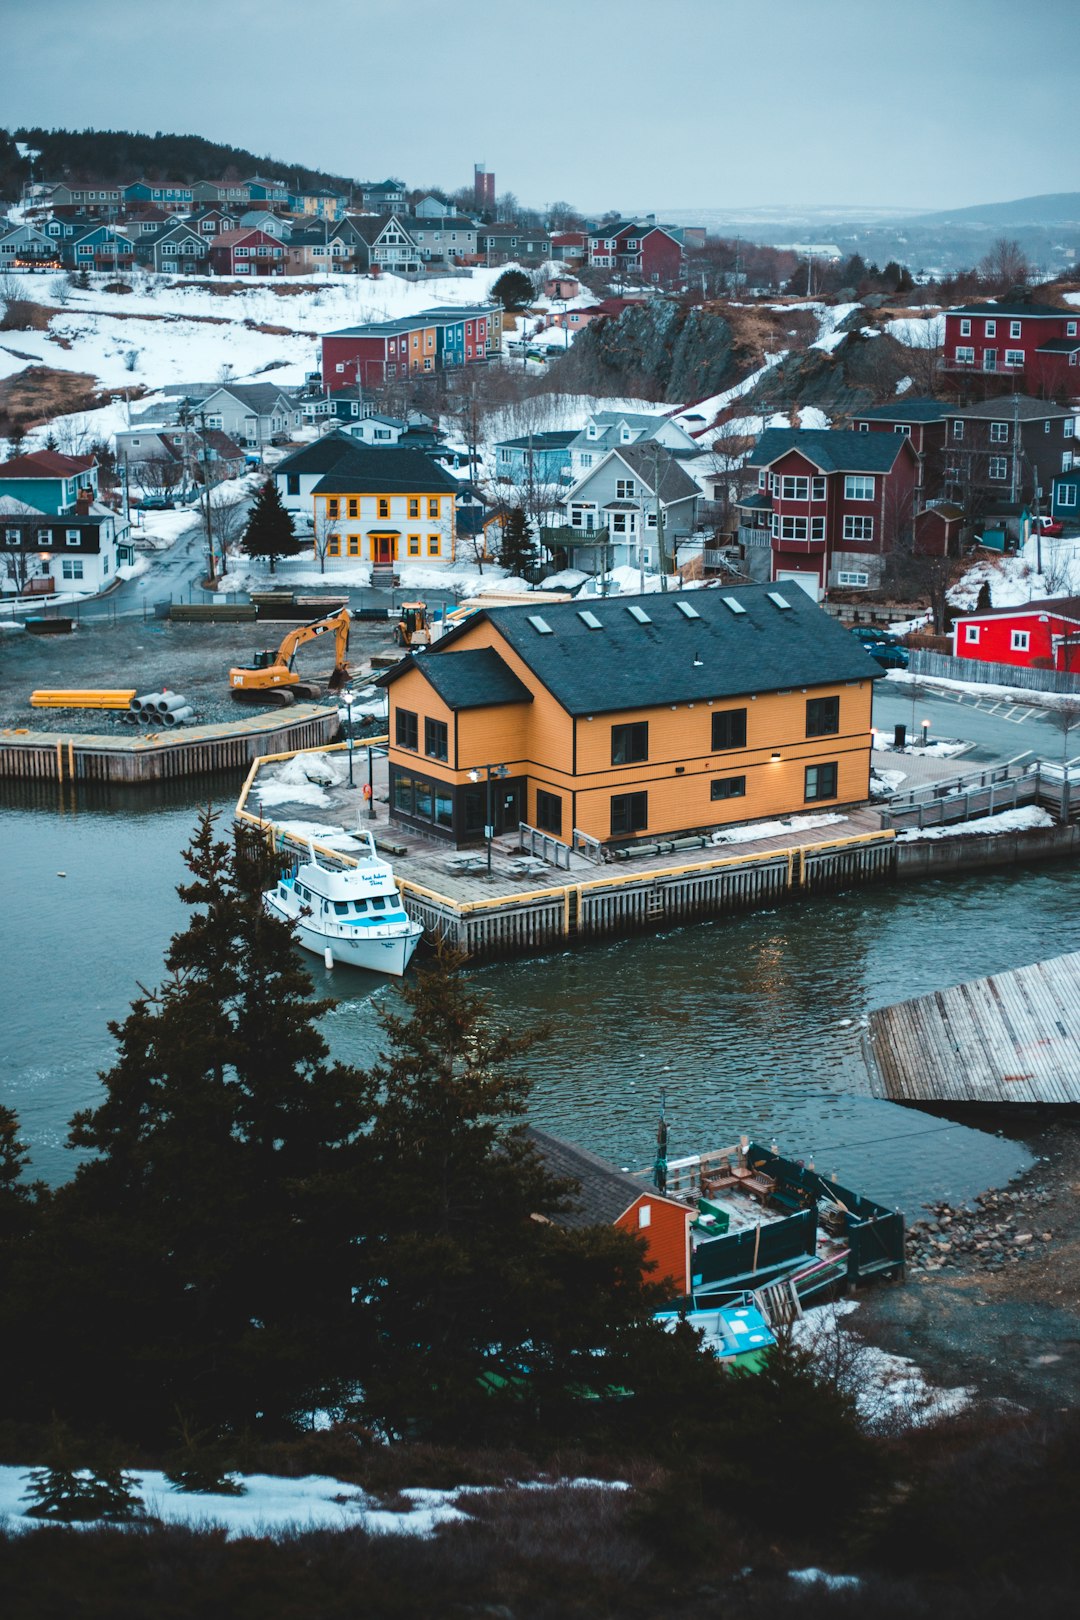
{"type": "Point", "coordinates": [1034, 635]}
{"type": "Point", "coordinates": [611, 1197]}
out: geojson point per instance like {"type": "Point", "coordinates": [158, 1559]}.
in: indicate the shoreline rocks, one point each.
{"type": "Point", "coordinates": [993, 1232]}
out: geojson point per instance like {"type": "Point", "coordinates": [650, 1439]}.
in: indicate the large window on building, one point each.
{"type": "Point", "coordinates": [858, 488]}
{"type": "Point", "coordinates": [629, 813]}
{"type": "Point", "coordinates": [548, 812]}
{"type": "Point", "coordinates": [407, 729]}
{"type": "Point", "coordinates": [794, 528]}
{"type": "Point", "coordinates": [998, 468]}
{"type": "Point", "coordinates": [822, 716]}
{"type": "Point", "coordinates": [436, 739]}
{"type": "Point", "coordinates": [999, 433]}
{"type": "Point", "coordinates": [794, 489]}
{"type": "Point", "coordinates": [630, 743]}
{"type": "Point", "coordinates": [858, 528]}
{"type": "Point", "coordinates": [820, 782]}
{"type": "Point", "coordinates": [728, 729]}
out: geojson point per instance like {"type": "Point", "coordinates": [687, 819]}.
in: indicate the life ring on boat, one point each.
{"type": "Point", "coordinates": [367, 791]}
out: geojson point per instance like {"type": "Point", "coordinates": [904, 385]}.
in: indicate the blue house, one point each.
{"type": "Point", "coordinates": [541, 457]}
{"type": "Point", "coordinates": [171, 197]}
{"type": "Point", "coordinates": [1065, 497]}
{"type": "Point", "coordinates": [46, 481]}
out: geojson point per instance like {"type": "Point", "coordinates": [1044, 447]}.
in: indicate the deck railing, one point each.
{"type": "Point", "coordinates": [544, 847]}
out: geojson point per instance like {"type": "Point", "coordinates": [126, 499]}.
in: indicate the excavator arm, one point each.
{"type": "Point", "coordinates": [275, 680]}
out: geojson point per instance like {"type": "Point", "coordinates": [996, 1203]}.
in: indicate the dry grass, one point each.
{"type": "Point", "coordinates": [39, 393]}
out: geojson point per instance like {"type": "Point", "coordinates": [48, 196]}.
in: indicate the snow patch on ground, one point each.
{"type": "Point", "coordinates": [1026, 819]}
{"type": "Point", "coordinates": [831, 316]}
{"type": "Point", "coordinates": [918, 334]}
{"type": "Point", "coordinates": [887, 1389]}
{"type": "Point", "coordinates": [270, 1504]}
{"type": "Point", "coordinates": [773, 829]}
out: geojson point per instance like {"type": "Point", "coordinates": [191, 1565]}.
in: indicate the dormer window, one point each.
{"type": "Point", "coordinates": [591, 431]}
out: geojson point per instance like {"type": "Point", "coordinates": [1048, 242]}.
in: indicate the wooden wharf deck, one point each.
{"type": "Point", "coordinates": [1011, 1038]}
{"type": "Point", "coordinates": [71, 756]}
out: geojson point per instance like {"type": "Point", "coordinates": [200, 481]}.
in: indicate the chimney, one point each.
{"type": "Point", "coordinates": [84, 499]}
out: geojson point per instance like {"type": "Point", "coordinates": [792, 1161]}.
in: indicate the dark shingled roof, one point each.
{"type": "Point", "coordinates": [392, 470]}
{"type": "Point", "coordinates": [604, 1193]}
{"type": "Point", "coordinates": [319, 457]}
{"type": "Point", "coordinates": [558, 439]}
{"type": "Point", "coordinates": [1006, 406]}
{"type": "Point", "coordinates": [716, 654]}
{"type": "Point", "coordinates": [831, 449]}
{"type": "Point", "coordinates": [905, 410]}
{"type": "Point", "coordinates": [1059, 346]}
{"type": "Point", "coordinates": [1016, 308]}
{"type": "Point", "coordinates": [1063, 607]}
{"type": "Point", "coordinates": [472, 680]}
{"type": "Point", "coordinates": [648, 458]}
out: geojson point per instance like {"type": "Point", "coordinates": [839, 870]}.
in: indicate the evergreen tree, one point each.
{"type": "Point", "coordinates": [72, 1495]}
{"type": "Point", "coordinates": [203, 1248]}
{"type": "Point", "coordinates": [269, 531]}
{"type": "Point", "coordinates": [476, 1313]}
{"type": "Point", "coordinates": [984, 602]}
{"type": "Point", "coordinates": [517, 547]}
{"type": "Point", "coordinates": [514, 289]}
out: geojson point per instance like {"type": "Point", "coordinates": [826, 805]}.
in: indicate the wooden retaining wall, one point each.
{"type": "Point", "coordinates": [194, 751]}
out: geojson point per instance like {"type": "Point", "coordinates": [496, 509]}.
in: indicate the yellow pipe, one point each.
{"type": "Point", "coordinates": [80, 698]}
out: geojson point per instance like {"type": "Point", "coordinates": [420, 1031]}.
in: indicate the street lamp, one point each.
{"type": "Point", "coordinates": [348, 702]}
{"type": "Point", "coordinates": [925, 731]}
{"type": "Point", "coordinates": [492, 772]}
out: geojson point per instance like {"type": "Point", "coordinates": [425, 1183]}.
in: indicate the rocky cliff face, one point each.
{"type": "Point", "coordinates": [658, 350]}
{"type": "Point", "coordinates": [666, 352]}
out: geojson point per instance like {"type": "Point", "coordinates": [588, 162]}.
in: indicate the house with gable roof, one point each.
{"type": "Point", "coordinates": [631, 718]}
{"type": "Point", "coordinates": [921, 420]}
{"type": "Point", "coordinates": [182, 250]}
{"type": "Point", "coordinates": [251, 414]}
{"type": "Point", "coordinates": [379, 242]}
{"type": "Point", "coordinates": [25, 247]}
{"type": "Point", "coordinates": [829, 506]}
{"type": "Point", "coordinates": [609, 430]}
{"type": "Point", "coordinates": [643, 249]}
{"type": "Point", "coordinates": [386, 507]}
{"type": "Point", "coordinates": [246, 251]}
{"type": "Point", "coordinates": [611, 511]}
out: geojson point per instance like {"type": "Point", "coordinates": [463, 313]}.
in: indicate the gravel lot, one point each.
{"type": "Point", "coordinates": [193, 659]}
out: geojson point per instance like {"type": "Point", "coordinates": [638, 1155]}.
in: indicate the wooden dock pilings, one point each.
{"type": "Point", "coordinates": [194, 751]}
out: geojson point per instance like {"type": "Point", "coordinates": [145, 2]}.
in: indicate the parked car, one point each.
{"type": "Point", "coordinates": [888, 654]}
{"type": "Point", "coordinates": [156, 503]}
{"type": "Point", "coordinates": [870, 634]}
{"type": "Point", "coordinates": [1049, 526]}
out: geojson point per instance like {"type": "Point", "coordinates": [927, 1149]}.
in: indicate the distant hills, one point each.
{"type": "Point", "coordinates": [1053, 208]}
{"type": "Point", "coordinates": [114, 155]}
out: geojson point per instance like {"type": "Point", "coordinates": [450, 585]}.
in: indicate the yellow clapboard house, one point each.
{"type": "Point", "coordinates": [384, 506]}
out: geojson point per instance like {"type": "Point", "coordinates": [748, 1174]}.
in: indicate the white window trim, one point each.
{"type": "Point", "coordinates": [971, 634]}
{"type": "Point", "coordinates": [1020, 641]}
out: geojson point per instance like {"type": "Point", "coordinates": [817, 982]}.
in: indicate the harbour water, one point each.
{"type": "Point", "coordinates": [750, 1023]}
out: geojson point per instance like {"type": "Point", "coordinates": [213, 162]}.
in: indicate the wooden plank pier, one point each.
{"type": "Point", "coordinates": [1011, 1038]}
{"type": "Point", "coordinates": [162, 756]}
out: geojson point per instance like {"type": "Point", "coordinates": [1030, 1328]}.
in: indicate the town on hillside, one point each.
{"type": "Point", "coordinates": [666, 612]}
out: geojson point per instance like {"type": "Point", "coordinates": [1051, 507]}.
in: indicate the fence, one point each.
{"type": "Point", "coordinates": [543, 846]}
{"type": "Point", "coordinates": [958, 798]}
{"type": "Point", "coordinates": [1011, 675]}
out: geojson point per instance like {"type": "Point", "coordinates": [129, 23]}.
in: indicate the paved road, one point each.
{"type": "Point", "coordinates": [999, 729]}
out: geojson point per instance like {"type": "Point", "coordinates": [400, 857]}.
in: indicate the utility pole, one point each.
{"type": "Point", "coordinates": [660, 554]}
{"type": "Point", "coordinates": [207, 509]}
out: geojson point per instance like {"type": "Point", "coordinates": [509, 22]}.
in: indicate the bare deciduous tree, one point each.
{"type": "Point", "coordinates": [1005, 265]}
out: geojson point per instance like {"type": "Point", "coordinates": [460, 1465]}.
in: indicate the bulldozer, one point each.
{"type": "Point", "coordinates": [413, 628]}
{"type": "Point", "coordinates": [272, 678]}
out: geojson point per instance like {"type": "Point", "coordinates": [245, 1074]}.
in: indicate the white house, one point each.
{"type": "Point", "coordinates": [605, 431]}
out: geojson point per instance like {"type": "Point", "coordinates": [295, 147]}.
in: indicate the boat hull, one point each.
{"type": "Point", "coordinates": [380, 954]}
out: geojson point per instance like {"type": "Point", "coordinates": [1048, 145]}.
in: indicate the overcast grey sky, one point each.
{"type": "Point", "coordinates": [629, 104]}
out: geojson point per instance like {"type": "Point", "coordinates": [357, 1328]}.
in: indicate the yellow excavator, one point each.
{"type": "Point", "coordinates": [272, 678]}
{"type": "Point", "coordinates": [413, 627]}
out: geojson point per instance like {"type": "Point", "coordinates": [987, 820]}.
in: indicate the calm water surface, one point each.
{"type": "Point", "coordinates": [752, 1023]}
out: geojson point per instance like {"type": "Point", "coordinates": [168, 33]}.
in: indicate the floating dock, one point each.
{"type": "Point", "coordinates": [162, 756]}
{"type": "Point", "coordinates": [1012, 1038]}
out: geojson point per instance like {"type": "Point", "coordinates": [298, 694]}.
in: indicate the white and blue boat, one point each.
{"type": "Point", "coordinates": [348, 914]}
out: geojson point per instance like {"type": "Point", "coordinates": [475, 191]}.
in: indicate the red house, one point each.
{"type": "Point", "coordinates": [1035, 341]}
{"type": "Point", "coordinates": [1036, 635]}
{"type": "Point", "coordinates": [648, 251]}
{"type": "Point", "coordinates": [246, 252]}
{"type": "Point", "coordinates": [830, 505]}
{"type": "Point", "coordinates": [923, 422]}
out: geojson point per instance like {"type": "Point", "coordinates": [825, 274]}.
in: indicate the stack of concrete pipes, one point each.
{"type": "Point", "coordinates": [159, 709]}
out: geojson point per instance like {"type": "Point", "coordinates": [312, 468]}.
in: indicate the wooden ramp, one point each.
{"type": "Point", "coordinates": [1010, 1038]}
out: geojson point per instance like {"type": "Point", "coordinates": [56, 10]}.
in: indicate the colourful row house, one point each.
{"type": "Point", "coordinates": [631, 719]}
{"type": "Point", "coordinates": [384, 507]}
{"type": "Point", "coordinates": [432, 340]}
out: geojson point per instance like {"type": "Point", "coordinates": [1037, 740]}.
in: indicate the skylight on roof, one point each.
{"type": "Point", "coordinates": [590, 619]}
{"type": "Point", "coordinates": [736, 607]}
{"type": "Point", "coordinates": [638, 613]}
{"type": "Point", "coordinates": [780, 601]}
{"type": "Point", "coordinates": [540, 625]}
{"type": "Point", "coordinates": [685, 608]}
